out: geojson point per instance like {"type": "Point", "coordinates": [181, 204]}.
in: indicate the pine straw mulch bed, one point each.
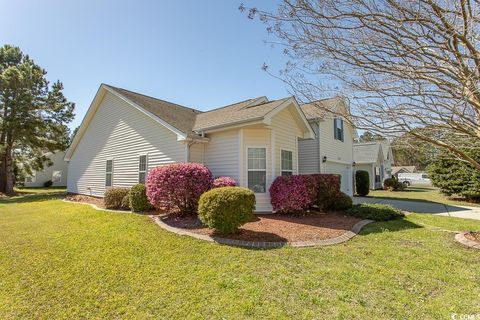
{"type": "Point", "coordinates": [473, 236]}
{"type": "Point", "coordinates": [86, 199]}
{"type": "Point", "coordinates": [276, 227]}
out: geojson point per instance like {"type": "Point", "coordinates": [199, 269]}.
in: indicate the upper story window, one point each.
{"type": "Point", "coordinates": [142, 168]}
{"type": "Point", "coordinates": [287, 162]}
{"type": "Point", "coordinates": [109, 173]}
{"type": "Point", "coordinates": [338, 129]}
{"type": "Point", "coordinates": [257, 169]}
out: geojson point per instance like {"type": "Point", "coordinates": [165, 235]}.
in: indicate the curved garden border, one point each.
{"type": "Point", "coordinates": [264, 244]}
{"type": "Point", "coordinates": [460, 237]}
{"type": "Point", "coordinates": [248, 244]}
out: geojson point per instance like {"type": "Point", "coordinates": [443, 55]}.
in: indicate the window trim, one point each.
{"type": "Point", "coordinates": [146, 167]}
{"type": "Point", "coordinates": [257, 170]}
{"type": "Point", "coordinates": [281, 163]}
{"type": "Point", "coordinates": [111, 172]}
{"type": "Point", "coordinates": [335, 131]}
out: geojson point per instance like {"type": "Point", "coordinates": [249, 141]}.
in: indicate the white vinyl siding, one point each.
{"type": "Point", "coordinates": [120, 131]}
{"type": "Point", "coordinates": [308, 153]}
{"type": "Point", "coordinates": [221, 154]}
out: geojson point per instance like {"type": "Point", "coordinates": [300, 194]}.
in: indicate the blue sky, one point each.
{"type": "Point", "coordinates": [202, 54]}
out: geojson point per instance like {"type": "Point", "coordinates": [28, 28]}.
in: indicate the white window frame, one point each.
{"type": "Point", "coordinates": [53, 173]}
{"type": "Point", "coordinates": [258, 170]}
{"type": "Point", "coordinates": [281, 162]}
{"type": "Point", "coordinates": [111, 172]}
{"type": "Point", "coordinates": [146, 167]}
{"type": "Point", "coordinates": [342, 127]}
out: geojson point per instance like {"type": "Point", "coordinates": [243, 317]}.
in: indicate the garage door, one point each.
{"type": "Point", "coordinates": [346, 176]}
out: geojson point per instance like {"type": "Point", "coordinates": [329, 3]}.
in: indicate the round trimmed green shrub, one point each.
{"type": "Point", "coordinates": [138, 198]}
{"type": "Point", "coordinates": [226, 209]}
{"type": "Point", "coordinates": [362, 182]}
{"type": "Point", "coordinates": [341, 201]}
{"type": "Point", "coordinates": [114, 198]}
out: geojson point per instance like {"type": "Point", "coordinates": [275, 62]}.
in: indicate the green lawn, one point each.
{"type": "Point", "coordinates": [419, 194]}
{"type": "Point", "coordinates": [66, 261]}
{"type": "Point", "coordinates": [25, 190]}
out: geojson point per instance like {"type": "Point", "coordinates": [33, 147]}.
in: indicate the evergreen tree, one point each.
{"type": "Point", "coordinates": [33, 114]}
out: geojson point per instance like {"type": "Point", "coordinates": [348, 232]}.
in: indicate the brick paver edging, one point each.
{"type": "Point", "coordinates": [264, 244]}
{"type": "Point", "coordinates": [460, 237]}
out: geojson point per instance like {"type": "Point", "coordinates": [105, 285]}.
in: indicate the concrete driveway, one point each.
{"type": "Point", "coordinates": [426, 207]}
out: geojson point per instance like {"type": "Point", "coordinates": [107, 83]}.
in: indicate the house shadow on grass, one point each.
{"type": "Point", "coordinates": [389, 226]}
{"type": "Point", "coordinates": [33, 197]}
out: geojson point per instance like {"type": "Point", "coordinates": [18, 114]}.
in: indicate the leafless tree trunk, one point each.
{"type": "Point", "coordinates": [403, 65]}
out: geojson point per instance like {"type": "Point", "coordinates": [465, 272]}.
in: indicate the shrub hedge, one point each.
{"type": "Point", "coordinates": [224, 182]}
{"type": "Point", "coordinates": [341, 201]}
{"type": "Point", "coordinates": [114, 198]}
{"type": "Point", "coordinates": [138, 200]}
{"type": "Point", "coordinates": [296, 193]}
{"type": "Point", "coordinates": [393, 184]}
{"type": "Point", "coordinates": [377, 212]}
{"type": "Point", "coordinates": [177, 187]}
{"type": "Point", "coordinates": [48, 183]}
{"type": "Point", "coordinates": [225, 209]}
{"type": "Point", "coordinates": [362, 183]}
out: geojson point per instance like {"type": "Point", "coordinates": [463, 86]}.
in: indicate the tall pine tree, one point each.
{"type": "Point", "coordinates": [33, 114]}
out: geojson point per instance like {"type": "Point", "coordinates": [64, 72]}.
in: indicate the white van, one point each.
{"type": "Point", "coordinates": [417, 178]}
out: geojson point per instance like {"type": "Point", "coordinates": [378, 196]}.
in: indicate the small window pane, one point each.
{"type": "Point", "coordinates": [108, 180]}
{"type": "Point", "coordinates": [287, 160]}
{"type": "Point", "coordinates": [287, 173]}
{"type": "Point", "coordinates": [56, 176]}
{"type": "Point", "coordinates": [141, 177]}
{"type": "Point", "coordinates": [109, 166]}
{"type": "Point", "coordinates": [142, 163]}
{"type": "Point", "coordinates": [257, 181]}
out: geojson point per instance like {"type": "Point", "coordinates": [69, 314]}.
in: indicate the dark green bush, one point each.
{"type": "Point", "coordinates": [456, 177]}
{"type": "Point", "coordinates": [377, 212]}
{"type": "Point", "coordinates": [48, 184]}
{"type": "Point", "coordinates": [116, 198]}
{"type": "Point", "coordinates": [138, 199]}
{"type": "Point", "coordinates": [362, 182]}
{"type": "Point", "coordinates": [341, 201]}
{"type": "Point", "coordinates": [393, 184]}
{"type": "Point", "coordinates": [226, 209]}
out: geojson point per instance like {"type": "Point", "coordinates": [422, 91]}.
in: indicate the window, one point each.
{"type": "Point", "coordinates": [377, 174]}
{"type": "Point", "coordinates": [287, 162]}
{"type": "Point", "coordinates": [142, 169]}
{"type": "Point", "coordinates": [109, 173]}
{"type": "Point", "coordinates": [57, 176]}
{"type": "Point", "coordinates": [338, 129]}
{"type": "Point", "coordinates": [257, 169]}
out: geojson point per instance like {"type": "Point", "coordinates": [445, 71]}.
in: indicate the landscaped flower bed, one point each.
{"type": "Point", "coordinates": [474, 236]}
{"type": "Point", "coordinates": [276, 227]}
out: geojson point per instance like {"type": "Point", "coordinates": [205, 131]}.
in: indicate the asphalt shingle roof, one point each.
{"type": "Point", "coordinates": [235, 113]}
{"type": "Point", "coordinates": [318, 109]}
{"type": "Point", "coordinates": [180, 117]}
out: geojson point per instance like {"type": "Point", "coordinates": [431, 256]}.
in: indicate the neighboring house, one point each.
{"type": "Point", "coordinates": [369, 156]}
{"type": "Point", "coordinates": [388, 158]}
{"type": "Point", "coordinates": [332, 149]}
{"type": "Point", "coordinates": [403, 169]}
{"type": "Point", "coordinates": [125, 134]}
{"type": "Point", "coordinates": [57, 172]}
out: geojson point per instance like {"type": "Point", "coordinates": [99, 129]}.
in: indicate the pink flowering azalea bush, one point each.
{"type": "Point", "coordinates": [297, 193]}
{"type": "Point", "coordinates": [224, 182]}
{"type": "Point", "coordinates": [177, 187]}
{"type": "Point", "coordinates": [291, 194]}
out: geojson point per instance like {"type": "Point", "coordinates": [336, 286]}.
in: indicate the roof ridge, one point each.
{"type": "Point", "coordinates": [147, 96]}
{"type": "Point", "coordinates": [323, 99]}
{"type": "Point", "coordinates": [232, 104]}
